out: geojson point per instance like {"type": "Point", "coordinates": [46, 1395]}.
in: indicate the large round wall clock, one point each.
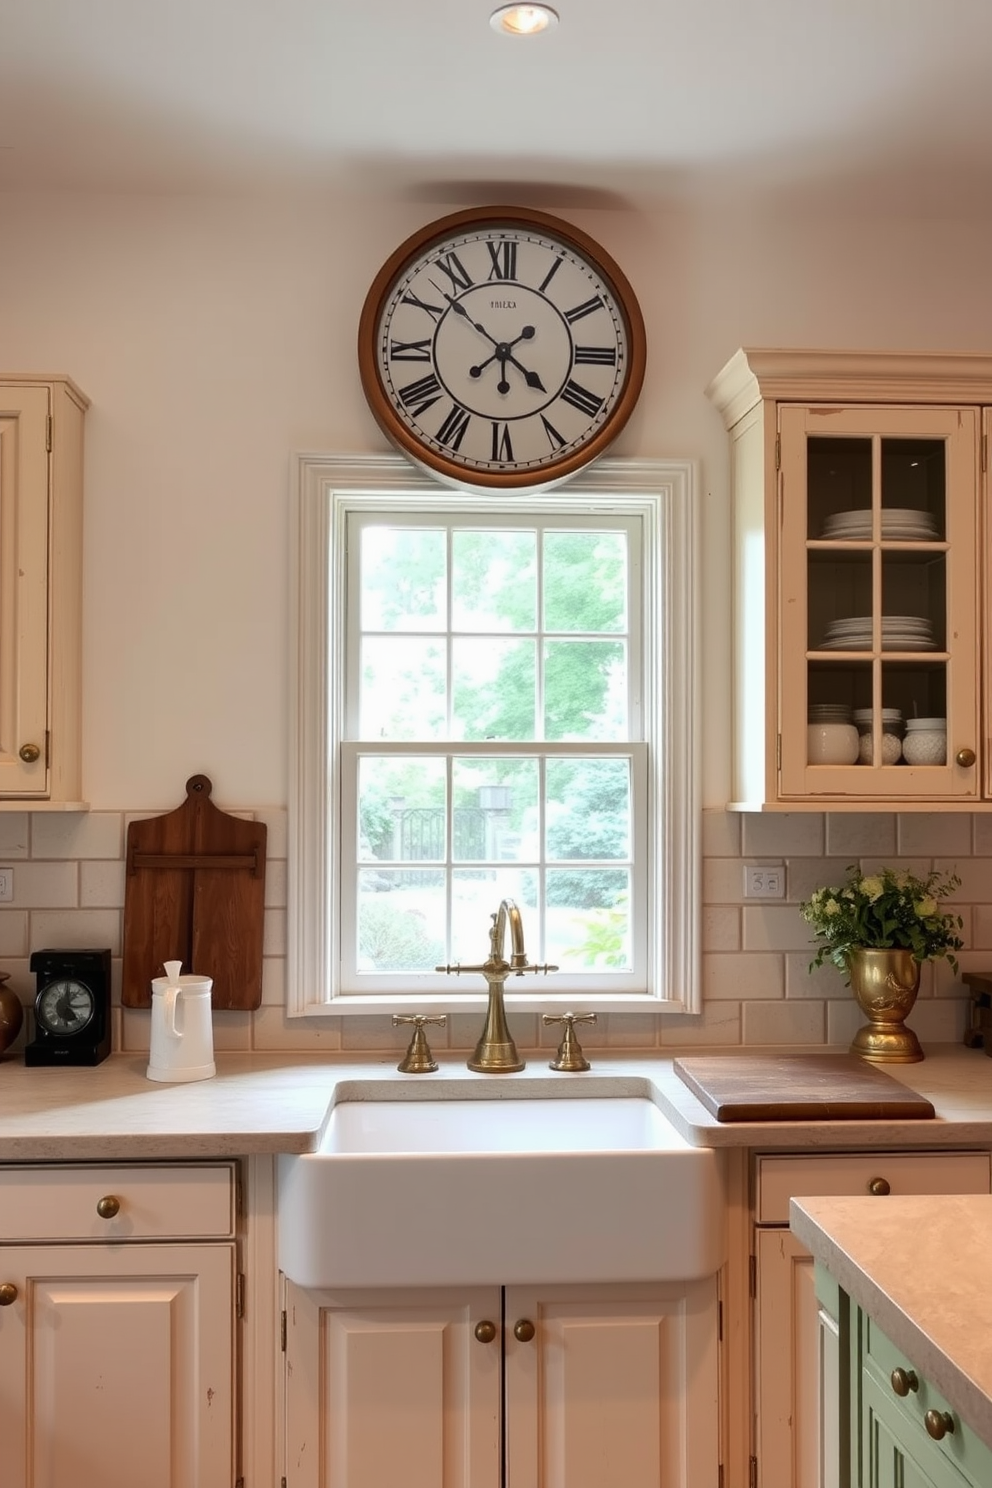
{"type": "Point", "coordinates": [501, 347]}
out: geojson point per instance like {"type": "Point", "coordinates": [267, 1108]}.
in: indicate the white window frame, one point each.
{"type": "Point", "coordinates": [662, 493]}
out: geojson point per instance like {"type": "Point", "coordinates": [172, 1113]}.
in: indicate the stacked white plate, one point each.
{"type": "Point", "coordinates": [897, 524]}
{"type": "Point", "coordinates": [899, 633]}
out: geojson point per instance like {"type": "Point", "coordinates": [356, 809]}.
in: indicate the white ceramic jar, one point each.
{"type": "Point", "coordinates": [925, 742]}
{"type": "Point", "coordinates": [831, 744]}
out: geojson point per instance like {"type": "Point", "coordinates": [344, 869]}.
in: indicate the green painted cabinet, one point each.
{"type": "Point", "coordinates": [904, 1433]}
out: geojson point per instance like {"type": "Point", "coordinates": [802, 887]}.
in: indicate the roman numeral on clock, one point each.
{"type": "Point", "coordinates": [594, 356]}
{"type": "Point", "coordinates": [502, 446]}
{"type": "Point", "coordinates": [581, 398]}
{"type": "Point", "coordinates": [411, 351]}
{"type": "Point", "coordinates": [418, 396]}
{"type": "Point", "coordinates": [452, 431]}
{"type": "Point", "coordinates": [503, 256]}
{"type": "Point", "coordinates": [451, 264]}
{"type": "Point", "coordinates": [434, 311]}
{"type": "Point", "coordinates": [578, 312]}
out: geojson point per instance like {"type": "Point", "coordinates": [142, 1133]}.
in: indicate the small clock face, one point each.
{"type": "Point", "coordinates": [501, 348]}
{"type": "Point", "coordinates": [65, 1007]}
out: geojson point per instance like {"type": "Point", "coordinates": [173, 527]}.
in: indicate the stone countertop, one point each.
{"type": "Point", "coordinates": [918, 1269]}
{"type": "Point", "coordinates": [266, 1103]}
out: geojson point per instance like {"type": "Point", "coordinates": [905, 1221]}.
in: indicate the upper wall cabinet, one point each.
{"type": "Point", "coordinates": [41, 486]}
{"type": "Point", "coordinates": [860, 618]}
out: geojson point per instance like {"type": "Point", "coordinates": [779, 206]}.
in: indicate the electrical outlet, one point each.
{"type": "Point", "coordinates": [764, 883]}
{"type": "Point", "coordinates": [6, 885]}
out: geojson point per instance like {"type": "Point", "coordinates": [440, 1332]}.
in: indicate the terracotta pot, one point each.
{"type": "Point", "coordinates": [885, 984]}
{"type": "Point", "coordinates": [11, 1013]}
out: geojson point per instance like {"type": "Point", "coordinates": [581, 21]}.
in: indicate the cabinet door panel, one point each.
{"type": "Point", "coordinates": [405, 1393]}
{"type": "Point", "coordinates": [23, 585]}
{"type": "Point", "coordinates": [116, 1366]}
{"type": "Point", "coordinates": [617, 1386]}
{"type": "Point", "coordinates": [879, 618]}
{"type": "Point", "coordinates": [787, 1382]}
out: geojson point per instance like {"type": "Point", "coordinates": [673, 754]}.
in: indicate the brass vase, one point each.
{"type": "Point", "coordinates": [885, 984]}
{"type": "Point", "coordinates": [11, 1013]}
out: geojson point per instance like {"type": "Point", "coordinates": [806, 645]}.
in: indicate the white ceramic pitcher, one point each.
{"type": "Point", "coordinates": [182, 1038]}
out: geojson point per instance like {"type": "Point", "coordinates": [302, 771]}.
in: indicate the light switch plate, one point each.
{"type": "Point", "coordinates": [6, 885]}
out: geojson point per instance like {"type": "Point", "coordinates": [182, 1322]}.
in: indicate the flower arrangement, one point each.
{"type": "Point", "coordinates": [887, 910]}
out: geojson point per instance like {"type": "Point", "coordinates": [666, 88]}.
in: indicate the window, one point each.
{"type": "Point", "coordinates": [493, 697]}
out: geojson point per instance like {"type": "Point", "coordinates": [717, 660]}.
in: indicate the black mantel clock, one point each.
{"type": "Point", "coordinates": [71, 1008]}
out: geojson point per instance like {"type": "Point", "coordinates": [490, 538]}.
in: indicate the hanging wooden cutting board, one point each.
{"type": "Point", "coordinates": [194, 892]}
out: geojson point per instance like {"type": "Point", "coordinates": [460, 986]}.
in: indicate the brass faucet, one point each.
{"type": "Point", "coordinates": [496, 1053]}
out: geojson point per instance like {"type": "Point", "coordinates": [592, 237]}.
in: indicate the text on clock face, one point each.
{"type": "Point", "coordinates": [502, 378]}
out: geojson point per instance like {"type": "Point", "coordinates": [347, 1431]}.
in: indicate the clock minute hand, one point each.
{"type": "Point", "coordinates": [459, 309]}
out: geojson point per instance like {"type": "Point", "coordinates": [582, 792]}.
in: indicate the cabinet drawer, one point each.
{"type": "Point", "coordinates": [778, 1179]}
{"type": "Point", "coordinates": [905, 1413]}
{"type": "Point", "coordinates": [60, 1202]}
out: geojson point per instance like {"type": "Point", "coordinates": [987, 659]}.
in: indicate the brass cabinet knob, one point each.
{"type": "Point", "coordinates": [8, 1293]}
{"type": "Point", "coordinates": [29, 753]}
{"type": "Point", "coordinates": [965, 758]}
{"type": "Point", "coordinates": [108, 1207]}
{"type": "Point", "coordinates": [879, 1187]}
{"type": "Point", "coordinates": [523, 1331]}
{"type": "Point", "coordinates": [485, 1331]}
{"type": "Point", "coordinates": [938, 1423]}
{"type": "Point", "coordinates": [904, 1380]}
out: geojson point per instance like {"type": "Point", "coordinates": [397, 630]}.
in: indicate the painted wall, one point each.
{"type": "Point", "coordinates": [216, 337]}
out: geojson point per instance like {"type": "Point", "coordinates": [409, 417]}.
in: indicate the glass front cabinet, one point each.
{"type": "Point", "coordinates": [859, 593]}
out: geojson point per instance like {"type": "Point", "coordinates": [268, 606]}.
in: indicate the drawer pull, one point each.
{"type": "Point", "coordinates": [938, 1423]}
{"type": "Point", "coordinates": [8, 1293]}
{"type": "Point", "coordinates": [904, 1380]}
{"type": "Point", "coordinates": [523, 1331]}
{"type": "Point", "coordinates": [485, 1331]}
{"type": "Point", "coordinates": [108, 1207]}
{"type": "Point", "coordinates": [879, 1186]}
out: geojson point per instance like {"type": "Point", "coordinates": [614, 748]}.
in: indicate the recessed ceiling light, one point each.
{"type": "Point", "coordinates": [523, 20]}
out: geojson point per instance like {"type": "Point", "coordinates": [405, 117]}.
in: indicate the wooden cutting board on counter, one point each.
{"type": "Point", "coordinates": [798, 1087]}
{"type": "Point", "coordinates": [194, 891]}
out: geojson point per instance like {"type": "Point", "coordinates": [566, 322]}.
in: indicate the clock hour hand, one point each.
{"type": "Point", "coordinates": [504, 354]}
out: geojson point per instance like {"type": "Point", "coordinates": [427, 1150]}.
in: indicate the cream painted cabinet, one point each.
{"type": "Point", "coordinates": [41, 476]}
{"type": "Point", "coordinates": [524, 1387]}
{"type": "Point", "coordinates": [117, 1326]}
{"type": "Point", "coordinates": [859, 533]}
{"type": "Point", "coordinates": [793, 1335]}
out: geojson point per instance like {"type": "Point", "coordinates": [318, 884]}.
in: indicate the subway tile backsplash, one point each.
{"type": "Point", "coordinates": [757, 989]}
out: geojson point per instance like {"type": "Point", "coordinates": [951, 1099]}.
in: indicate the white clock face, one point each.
{"type": "Point", "coordinates": [503, 350]}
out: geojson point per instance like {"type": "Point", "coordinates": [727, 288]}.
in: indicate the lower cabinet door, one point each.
{"type": "Point", "coordinates": [787, 1372]}
{"type": "Point", "coordinates": [885, 1460]}
{"type": "Point", "coordinates": [602, 1387]}
{"type": "Point", "coordinates": [612, 1386]}
{"type": "Point", "coordinates": [393, 1389]}
{"type": "Point", "coordinates": [117, 1366]}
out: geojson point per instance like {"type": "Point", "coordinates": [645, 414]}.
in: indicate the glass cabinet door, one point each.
{"type": "Point", "coordinates": [878, 598]}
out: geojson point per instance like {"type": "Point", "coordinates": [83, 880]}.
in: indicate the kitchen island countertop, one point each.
{"type": "Point", "coordinates": [917, 1268]}
{"type": "Point", "coordinates": [266, 1103]}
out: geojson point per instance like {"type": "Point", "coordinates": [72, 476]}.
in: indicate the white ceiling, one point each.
{"type": "Point", "coordinates": [844, 101]}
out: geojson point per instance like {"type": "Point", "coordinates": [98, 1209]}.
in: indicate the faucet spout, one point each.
{"type": "Point", "coordinates": [508, 913]}
{"type": "Point", "coordinates": [496, 1053]}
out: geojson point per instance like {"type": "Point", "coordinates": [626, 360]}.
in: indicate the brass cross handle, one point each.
{"type": "Point", "coordinates": [569, 1056]}
{"type": "Point", "coordinates": [418, 1059]}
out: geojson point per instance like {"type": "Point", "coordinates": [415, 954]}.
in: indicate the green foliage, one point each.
{"type": "Point", "coordinates": [394, 939]}
{"type": "Point", "coordinates": [605, 942]}
{"type": "Point", "coordinates": [887, 910]}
